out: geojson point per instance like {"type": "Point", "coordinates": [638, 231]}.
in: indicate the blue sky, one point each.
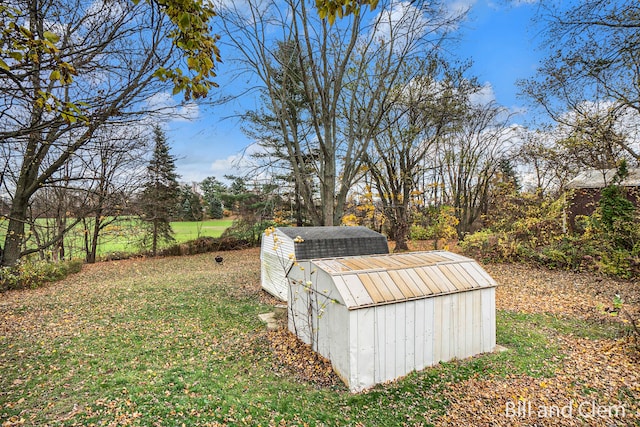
{"type": "Point", "coordinates": [498, 35]}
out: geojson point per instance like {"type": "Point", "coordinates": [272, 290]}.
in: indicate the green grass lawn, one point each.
{"type": "Point", "coordinates": [177, 341]}
{"type": "Point", "coordinates": [126, 236]}
{"type": "Point", "coordinates": [186, 230]}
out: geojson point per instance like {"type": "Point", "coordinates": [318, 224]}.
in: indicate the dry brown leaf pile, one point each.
{"type": "Point", "coordinates": [299, 359]}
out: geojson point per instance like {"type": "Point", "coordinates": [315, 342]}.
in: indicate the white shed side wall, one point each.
{"type": "Point", "coordinates": [390, 341]}
{"type": "Point", "coordinates": [274, 263]}
{"type": "Point", "coordinates": [488, 303]}
{"type": "Point", "coordinates": [330, 320]}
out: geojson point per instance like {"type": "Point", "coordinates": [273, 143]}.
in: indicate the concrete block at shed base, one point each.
{"type": "Point", "coordinates": [270, 320]}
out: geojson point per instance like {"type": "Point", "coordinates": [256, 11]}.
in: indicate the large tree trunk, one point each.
{"type": "Point", "coordinates": [328, 186]}
{"type": "Point", "coordinates": [401, 234]}
{"type": "Point", "coordinates": [96, 236]}
{"type": "Point", "coordinates": [15, 232]}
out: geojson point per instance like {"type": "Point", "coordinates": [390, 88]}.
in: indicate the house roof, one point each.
{"type": "Point", "coordinates": [595, 178]}
{"type": "Point", "coordinates": [322, 242]}
{"type": "Point", "coordinates": [366, 281]}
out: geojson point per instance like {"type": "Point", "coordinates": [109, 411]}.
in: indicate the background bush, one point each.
{"type": "Point", "coordinates": [529, 228]}
{"type": "Point", "coordinates": [32, 274]}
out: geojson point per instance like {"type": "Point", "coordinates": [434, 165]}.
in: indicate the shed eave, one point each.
{"type": "Point", "coordinates": [391, 268]}
{"type": "Point", "coordinates": [398, 301]}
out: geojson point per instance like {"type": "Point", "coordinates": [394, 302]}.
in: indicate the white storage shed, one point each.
{"type": "Point", "coordinates": [380, 317]}
{"type": "Point", "coordinates": [282, 248]}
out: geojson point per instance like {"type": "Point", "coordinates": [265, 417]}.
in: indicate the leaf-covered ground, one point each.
{"type": "Point", "coordinates": [597, 381]}
{"type": "Point", "coordinates": [177, 341]}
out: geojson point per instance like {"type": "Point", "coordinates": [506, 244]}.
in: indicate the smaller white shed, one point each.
{"type": "Point", "coordinates": [283, 247]}
{"type": "Point", "coordinates": [380, 317]}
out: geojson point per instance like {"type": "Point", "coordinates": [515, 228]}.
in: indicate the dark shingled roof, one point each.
{"type": "Point", "coordinates": [323, 242]}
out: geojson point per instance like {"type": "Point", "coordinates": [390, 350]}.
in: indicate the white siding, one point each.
{"type": "Point", "coordinates": [488, 320]}
{"type": "Point", "coordinates": [274, 264]}
{"type": "Point", "coordinates": [298, 299]}
{"type": "Point", "coordinates": [414, 335]}
{"type": "Point", "coordinates": [337, 336]}
{"type": "Point", "coordinates": [364, 370]}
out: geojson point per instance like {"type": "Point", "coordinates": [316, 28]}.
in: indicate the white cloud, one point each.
{"type": "Point", "coordinates": [101, 12]}
{"type": "Point", "coordinates": [235, 164]}
{"type": "Point", "coordinates": [401, 24]}
{"type": "Point", "coordinates": [164, 104]}
{"type": "Point", "coordinates": [457, 7]}
{"type": "Point", "coordinates": [483, 96]}
{"type": "Point", "coordinates": [226, 166]}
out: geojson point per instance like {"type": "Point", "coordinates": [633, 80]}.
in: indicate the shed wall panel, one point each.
{"type": "Point", "coordinates": [488, 319]}
{"type": "Point", "coordinates": [419, 325]}
{"type": "Point", "coordinates": [366, 355]}
{"type": "Point", "coordinates": [400, 340]}
{"type": "Point", "coordinates": [337, 336]}
{"type": "Point", "coordinates": [410, 338]}
{"type": "Point", "coordinates": [446, 311]}
{"type": "Point", "coordinates": [466, 327]}
{"type": "Point", "coordinates": [476, 315]}
{"type": "Point", "coordinates": [381, 341]}
{"type": "Point", "coordinates": [428, 333]}
{"type": "Point", "coordinates": [438, 352]}
{"type": "Point", "coordinates": [388, 340]}
{"type": "Point", "coordinates": [470, 328]}
{"type": "Point", "coordinates": [273, 276]}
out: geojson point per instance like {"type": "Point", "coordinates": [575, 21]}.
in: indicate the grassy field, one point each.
{"type": "Point", "coordinates": [186, 230]}
{"type": "Point", "coordinates": [177, 341]}
{"type": "Point", "coordinates": [126, 235]}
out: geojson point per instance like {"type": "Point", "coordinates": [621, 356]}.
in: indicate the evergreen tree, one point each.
{"type": "Point", "coordinates": [213, 191]}
{"type": "Point", "coordinates": [216, 211]}
{"type": "Point", "coordinates": [189, 207]}
{"type": "Point", "coordinates": [160, 193]}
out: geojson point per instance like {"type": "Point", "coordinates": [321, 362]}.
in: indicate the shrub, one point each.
{"type": "Point", "coordinates": [247, 230]}
{"type": "Point", "coordinates": [616, 263]}
{"type": "Point", "coordinates": [32, 274]}
{"type": "Point", "coordinates": [485, 245]}
{"type": "Point", "coordinates": [528, 228]}
{"type": "Point", "coordinates": [418, 232]}
{"type": "Point", "coordinates": [203, 245]}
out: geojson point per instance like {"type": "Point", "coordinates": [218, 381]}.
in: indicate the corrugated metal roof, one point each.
{"type": "Point", "coordinates": [594, 178]}
{"type": "Point", "coordinates": [321, 242]}
{"type": "Point", "coordinates": [365, 281]}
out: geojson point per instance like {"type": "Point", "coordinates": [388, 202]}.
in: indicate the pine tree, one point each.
{"type": "Point", "coordinates": [213, 191]}
{"type": "Point", "coordinates": [160, 193]}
